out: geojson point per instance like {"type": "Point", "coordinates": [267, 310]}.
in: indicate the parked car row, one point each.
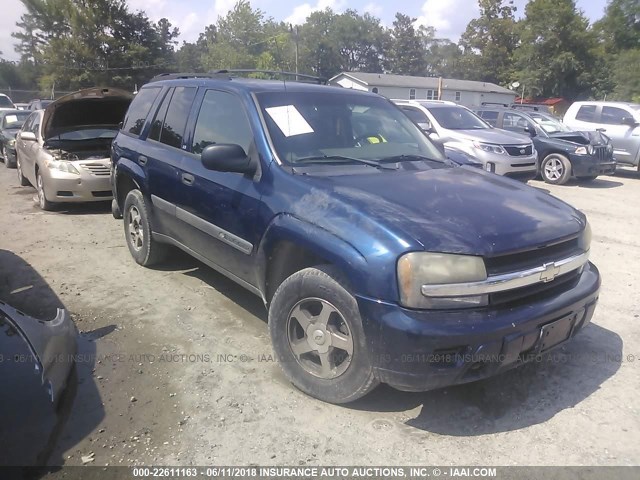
{"type": "Point", "coordinates": [36, 104]}
{"type": "Point", "coordinates": [380, 256]}
{"type": "Point", "coordinates": [517, 143]}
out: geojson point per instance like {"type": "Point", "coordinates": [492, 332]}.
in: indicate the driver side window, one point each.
{"type": "Point", "coordinates": [221, 119]}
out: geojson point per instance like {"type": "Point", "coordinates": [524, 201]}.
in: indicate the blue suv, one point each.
{"type": "Point", "coordinates": [378, 261]}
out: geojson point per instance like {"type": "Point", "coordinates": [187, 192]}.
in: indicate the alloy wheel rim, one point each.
{"type": "Point", "coordinates": [320, 338]}
{"type": "Point", "coordinates": [136, 232]}
{"type": "Point", "coordinates": [40, 191]}
{"type": "Point", "coordinates": [553, 169]}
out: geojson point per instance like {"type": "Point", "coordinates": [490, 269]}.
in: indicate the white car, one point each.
{"type": "Point", "coordinates": [619, 121]}
{"type": "Point", "coordinates": [6, 103]}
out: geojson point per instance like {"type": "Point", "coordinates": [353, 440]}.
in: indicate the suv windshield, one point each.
{"type": "Point", "coordinates": [457, 118]}
{"type": "Point", "coordinates": [548, 123]}
{"type": "Point", "coordinates": [341, 128]}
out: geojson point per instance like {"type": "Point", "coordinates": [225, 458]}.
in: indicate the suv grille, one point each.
{"type": "Point", "coordinates": [519, 150]}
{"type": "Point", "coordinates": [513, 262]}
{"type": "Point", "coordinates": [97, 169]}
{"type": "Point", "coordinates": [602, 154]}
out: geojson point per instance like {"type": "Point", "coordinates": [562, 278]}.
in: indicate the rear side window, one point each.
{"type": "Point", "coordinates": [586, 113]}
{"type": "Point", "coordinates": [139, 109]}
{"type": "Point", "coordinates": [613, 115]}
{"type": "Point", "coordinates": [221, 119]}
{"type": "Point", "coordinates": [416, 115]}
{"type": "Point", "coordinates": [175, 121]}
{"type": "Point", "coordinates": [490, 117]}
{"type": "Point", "coordinates": [158, 120]}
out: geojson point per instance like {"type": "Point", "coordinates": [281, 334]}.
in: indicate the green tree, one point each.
{"type": "Point", "coordinates": [360, 41]}
{"type": "Point", "coordinates": [626, 76]}
{"type": "Point", "coordinates": [619, 29]}
{"type": "Point", "coordinates": [407, 47]}
{"type": "Point", "coordinates": [557, 51]}
{"type": "Point", "coordinates": [319, 52]}
{"type": "Point", "coordinates": [490, 40]}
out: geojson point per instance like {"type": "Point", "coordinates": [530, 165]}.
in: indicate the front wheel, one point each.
{"type": "Point", "coordinates": [317, 335]}
{"type": "Point", "coordinates": [556, 169]}
{"type": "Point", "coordinates": [42, 199]}
{"type": "Point", "coordinates": [137, 229]}
{"type": "Point", "coordinates": [21, 178]}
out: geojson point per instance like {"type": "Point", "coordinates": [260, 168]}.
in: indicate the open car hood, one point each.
{"type": "Point", "coordinates": [92, 107]}
{"type": "Point", "coordinates": [581, 138]}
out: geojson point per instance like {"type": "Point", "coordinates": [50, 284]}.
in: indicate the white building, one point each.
{"type": "Point", "coordinates": [464, 92]}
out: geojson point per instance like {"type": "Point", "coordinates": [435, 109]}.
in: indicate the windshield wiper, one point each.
{"type": "Point", "coordinates": [321, 158]}
{"type": "Point", "coordinates": [409, 157]}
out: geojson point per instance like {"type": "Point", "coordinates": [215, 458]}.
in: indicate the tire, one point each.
{"type": "Point", "coordinates": [115, 210]}
{"type": "Point", "coordinates": [5, 156]}
{"type": "Point", "coordinates": [43, 203]}
{"type": "Point", "coordinates": [319, 299]}
{"type": "Point", "coordinates": [21, 178]}
{"type": "Point", "coordinates": [137, 230]}
{"type": "Point", "coordinates": [587, 178]}
{"type": "Point", "coordinates": [555, 169]}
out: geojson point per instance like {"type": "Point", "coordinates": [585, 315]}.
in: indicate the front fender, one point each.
{"type": "Point", "coordinates": [320, 242]}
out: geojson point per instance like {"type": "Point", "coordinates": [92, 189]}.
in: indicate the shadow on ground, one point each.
{"type": "Point", "coordinates": [40, 432]}
{"type": "Point", "coordinates": [519, 398]}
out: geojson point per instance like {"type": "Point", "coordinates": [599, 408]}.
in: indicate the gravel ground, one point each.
{"type": "Point", "coordinates": [177, 368]}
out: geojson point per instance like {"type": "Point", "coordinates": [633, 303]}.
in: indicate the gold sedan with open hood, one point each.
{"type": "Point", "coordinates": [64, 150]}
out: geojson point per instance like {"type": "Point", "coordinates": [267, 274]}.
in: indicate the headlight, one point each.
{"type": "Point", "coordinates": [584, 242]}
{"type": "Point", "coordinates": [488, 147]}
{"type": "Point", "coordinates": [581, 151]}
{"type": "Point", "coordinates": [63, 166]}
{"type": "Point", "coordinates": [424, 268]}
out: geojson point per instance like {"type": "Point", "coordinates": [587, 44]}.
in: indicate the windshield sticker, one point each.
{"type": "Point", "coordinates": [289, 120]}
{"type": "Point", "coordinates": [11, 118]}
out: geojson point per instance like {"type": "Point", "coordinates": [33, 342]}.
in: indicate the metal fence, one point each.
{"type": "Point", "coordinates": [25, 96]}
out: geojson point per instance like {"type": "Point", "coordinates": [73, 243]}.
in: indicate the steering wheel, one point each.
{"type": "Point", "coordinates": [360, 138]}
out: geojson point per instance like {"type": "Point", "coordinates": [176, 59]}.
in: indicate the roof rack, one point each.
{"type": "Point", "coordinates": [505, 105]}
{"type": "Point", "coordinates": [282, 74]}
{"type": "Point", "coordinates": [227, 73]}
{"type": "Point", "coordinates": [177, 76]}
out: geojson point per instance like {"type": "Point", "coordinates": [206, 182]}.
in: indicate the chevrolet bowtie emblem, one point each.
{"type": "Point", "coordinates": [551, 271]}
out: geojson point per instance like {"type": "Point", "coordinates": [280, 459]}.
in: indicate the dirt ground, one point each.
{"type": "Point", "coordinates": [176, 367]}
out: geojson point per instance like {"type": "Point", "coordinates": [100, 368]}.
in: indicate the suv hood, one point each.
{"type": "Point", "coordinates": [581, 138]}
{"type": "Point", "coordinates": [490, 135]}
{"type": "Point", "coordinates": [93, 107]}
{"type": "Point", "coordinates": [454, 210]}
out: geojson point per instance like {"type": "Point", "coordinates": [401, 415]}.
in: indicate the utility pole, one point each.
{"type": "Point", "coordinates": [295, 39]}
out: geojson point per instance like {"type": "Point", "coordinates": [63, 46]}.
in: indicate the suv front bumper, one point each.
{"type": "Point", "coordinates": [586, 166]}
{"type": "Point", "coordinates": [423, 350]}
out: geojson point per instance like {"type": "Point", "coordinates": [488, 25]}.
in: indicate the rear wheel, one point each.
{"type": "Point", "coordinates": [42, 199]}
{"type": "Point", "coordinates": [21, 179]}
{"type": "Point", "coordinates": [556, 169]}
{"type": "Point", "coordinates": [317, 335]}
{"type": "Point", "coordinates": [137, 229]}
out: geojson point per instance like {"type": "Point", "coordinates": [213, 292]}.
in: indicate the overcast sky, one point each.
{"type": "Point", "coordinates": [449, 17]}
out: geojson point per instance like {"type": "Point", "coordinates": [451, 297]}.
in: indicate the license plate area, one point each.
{"type": "Point", "coordinates": [556, 332]}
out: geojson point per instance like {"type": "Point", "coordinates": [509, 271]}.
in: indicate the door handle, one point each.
{"type": "Point", "coordinates": [187, 179]}
{"type": "Point", "coordinates": [142, 160]}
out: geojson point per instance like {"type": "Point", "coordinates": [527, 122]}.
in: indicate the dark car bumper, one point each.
{"type": "Point", "coordinates": [586, 166]}
{"type": "Point", "coordinates": [424, 350]}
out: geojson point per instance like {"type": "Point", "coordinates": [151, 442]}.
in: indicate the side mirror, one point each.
{"type": "Point", "coordinates": [28, 136]}
{"type": "Point", "coordinates": [530, 130]}
{"type": "Point", "coordinates": [630, 121]}
{"type": "Point", "coordinates": [426, 127]}
{"type": "Point", "coordinates": [227, 157]}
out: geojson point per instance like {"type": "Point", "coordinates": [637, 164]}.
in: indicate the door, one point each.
{"type": "Point", "coordinates": [29, 149]}
{"type": "Point", "coordinates": [218, 209]}
{"type": "Point", "coordinates": [625, 138]}
{"type": "Point", "coordinates": [163, 153]}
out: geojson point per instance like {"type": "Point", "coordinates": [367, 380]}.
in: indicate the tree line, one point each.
{"type": "Point", "coordinates": [552, 51]}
